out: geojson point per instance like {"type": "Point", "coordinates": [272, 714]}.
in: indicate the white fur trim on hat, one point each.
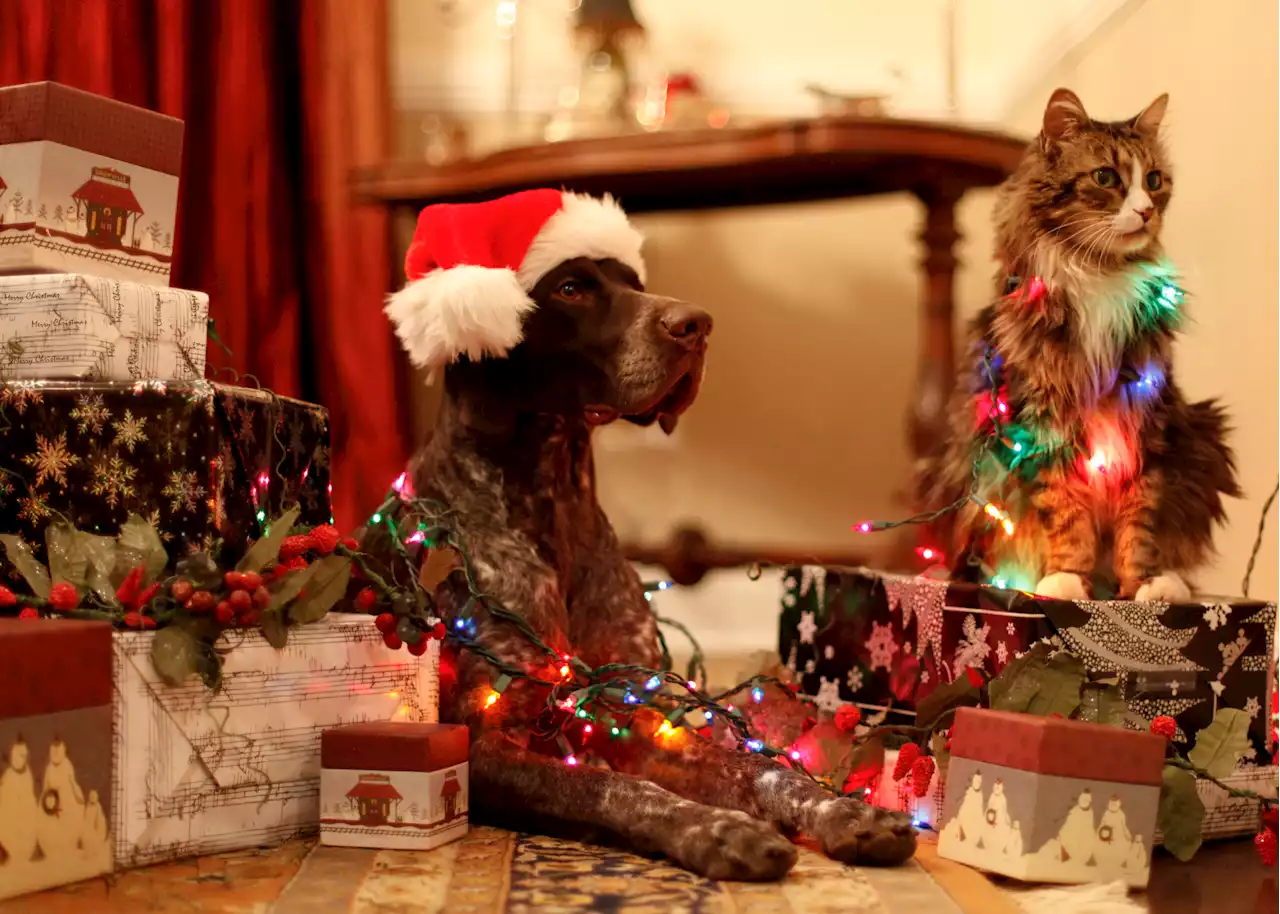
{"type": "Point", "coordinates": [584, 227]}
{"type": "Point", "coordinates": [465, 310]}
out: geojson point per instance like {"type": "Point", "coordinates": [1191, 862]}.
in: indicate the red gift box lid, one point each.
{"type": "Point", "coordinates": [51, 665]}
{"type": "Point", "coordinates": [394, 746]}
{"type": "Point", "coordinates": [1054, 745]}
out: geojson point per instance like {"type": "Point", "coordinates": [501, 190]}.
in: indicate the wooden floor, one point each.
{"type": "Point", "coordinates": [495, 872]}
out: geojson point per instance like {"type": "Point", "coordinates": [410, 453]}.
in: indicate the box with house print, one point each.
{"type": "Point", "coordinates": [1051, 800]}
{"type": "Point", "coordinates": [885, 640]}
{"type": "Point", "coordinates": [393, 785]}
{"type": "Point", "coordinates": [87, 185]}
{"type": "Point", "coordinates": [56, 801]}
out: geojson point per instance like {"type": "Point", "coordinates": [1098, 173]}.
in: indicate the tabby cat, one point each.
{"type": "Point", "coordinates": [1089, 472]}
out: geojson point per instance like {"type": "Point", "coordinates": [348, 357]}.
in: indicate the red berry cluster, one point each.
{"type": "Point", "coordinates": [848, 718]}
{"type": "Point", "coordinates": [1265, 842]}
{"type": "Point", "coordinates": [916, 765]}
{"type": "Point", "coordinates": [241, 605]}
{"type": "Point", "coordinates": [403, 631]}
{"type": "Point", "coordinates": [1164, 726]}
{"type": "Point", "coordinates": [907, 756]}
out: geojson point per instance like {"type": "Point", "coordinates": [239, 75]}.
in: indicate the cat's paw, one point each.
{"type": "Point", "coordinates": [1063, 585]}
{"type": "Point", "coordinates": [1164, 588]}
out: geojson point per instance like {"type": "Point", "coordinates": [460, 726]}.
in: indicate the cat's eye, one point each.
{"type": "Point", "coordinates": [1106, 177]}
{"type": "Point", "coordinates": [1155, 180]}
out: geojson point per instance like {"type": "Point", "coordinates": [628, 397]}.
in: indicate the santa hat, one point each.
{"type": "Point", "coordinates": [471, 268]}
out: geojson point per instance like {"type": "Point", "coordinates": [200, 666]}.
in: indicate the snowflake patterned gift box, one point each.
{"type": "Point", "coordinates": [199, 772]}
{"type": "Point", "coordinates": [394, 785]}
{"type": "Point", "coordinates": [202, 462]}
{"type": "Point", "coordinates": [56, 802]}
{"type": "Point", "coordinates": [87, 185]}
{"type": "Point", "coordinates": [1051, 800]}
{"type": "Point", "coordinates": [886, 640]}
{"type": "Point", "coordinates": [73, 326]}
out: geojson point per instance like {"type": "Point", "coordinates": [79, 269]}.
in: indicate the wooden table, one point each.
{"type": "Point", "coordinates": [784, 162]}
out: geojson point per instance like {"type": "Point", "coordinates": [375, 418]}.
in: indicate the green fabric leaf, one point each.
{"type": "Point", "coordinates": [68, 562]}
{"type": "Point", "coordinates": [329, 585]}
{"type": "Point", "coordinates": [101, 552]}
{"type": "Point", "coordinates": [35, 574]}
{"type": "Point", "coordinates": [958, 693]}
{"type": "Point", "coordinates": [1102, 705]}
{"type": "Point", "coordinates": [1220, 745]}
{"type": "Point", "coordinates": [1041, 683]}
{"type": "Point", "coordinates": [274, 628]}
{"type": "Point", "coordinates": [175, 654]}
{"type": "Point", "coordinates": [139, 544]}
{"type": "Point", "coordinates": [266, 550]}
{"type": "Point", "coordinates": [1181, 813]}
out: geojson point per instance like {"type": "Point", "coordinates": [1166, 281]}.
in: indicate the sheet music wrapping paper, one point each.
{"type": "Point", "coordinates": [199, 773]}
{"type": "Point", "coordinates": [71, 326]}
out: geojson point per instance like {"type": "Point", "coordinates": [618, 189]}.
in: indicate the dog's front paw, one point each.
{"type": "Point", "coordinates": [1164, 588]}
{"type": "Point", "coordinates": [726, 844]}
{"type": "Point", "coordinates": [1063, 585]}
{"type": "Point", "coordinates": [853, 832]}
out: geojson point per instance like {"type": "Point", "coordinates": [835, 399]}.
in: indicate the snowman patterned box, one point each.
{"type": "Point", "coordinates": [87, 185]}
{"type": "Point", "coordinates": [1047, 799]}
{"type": "Point", "coordinates": [55, 753]}
{"type": "Point", "coordinates": [393, 785]}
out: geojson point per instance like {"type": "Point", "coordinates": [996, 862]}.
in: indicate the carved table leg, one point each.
{"type": "Point", "coordinates": [935, 375]}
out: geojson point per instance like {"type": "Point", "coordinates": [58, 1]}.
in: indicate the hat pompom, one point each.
{"type": "Point", "coordinates": [465, 310]}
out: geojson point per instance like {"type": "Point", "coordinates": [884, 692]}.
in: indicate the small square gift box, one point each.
{"type": "Point", "coordinates": [393, 785]}
{"type": "Point", "coordinates": [1046, 799]}
{"type": "Point", "coordinates": [87, 185]}
{"type": "Point", "coordinates": [56, 801]}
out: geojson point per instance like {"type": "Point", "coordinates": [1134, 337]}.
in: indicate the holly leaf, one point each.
{"type": "Point", "coordinates": [274, 628]}
{"type": "Point", "coordinates": [175, 654]}
{"type": "Point", "coordinates": [290, 586]}
{"type": "Point", "coordinates": [332, 574]}
{"type": "Point", "coordinates": [35, 574]}
{"type": "Point", "coordinates": [960, 692]}
{"type": "Point", "coordinates": [139, 544]}
{"type": "Point", "coordinates": [201, 570]}
{"type": "Point", "coordinates": [1181, 813]}
{"type": "Point", "coordinates": [865, 764]}
{"type": "Point", "coordinates": [1102, 705]}
{"type": "Point", "coordinates": [1220, 745]}
{"type": "Point", "coordinates": [440, 562]}
{"type": "Point", "coordinates": [1012, 690]}
{"type": "Point", "coordinates": [266, 550]}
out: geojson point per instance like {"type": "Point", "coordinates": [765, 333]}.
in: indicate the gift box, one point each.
{"type": "Point", "coordinates": [1051, 800]}
{"type": "Point", "coordinates": [202, 462]}
{"type": "Point", "coordinates": [885, 640]}
{"type": "Point", "coordinates": [393, 785]}
{"type": "Point", "coordinates": [67, 325]}
{"type": "Point", "coordinates": [199, 772]}
{"type": "Point", "coordinates": [56, 802]}
{"type": "Point", "coordinates": [87, 185]}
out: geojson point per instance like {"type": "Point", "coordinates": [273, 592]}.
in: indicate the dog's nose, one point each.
{"type": "Point", "coordinates": [686, 324]}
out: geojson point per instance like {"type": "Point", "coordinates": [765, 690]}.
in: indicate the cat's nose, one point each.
{"type": "Point", "coordinates": [1146, 214]}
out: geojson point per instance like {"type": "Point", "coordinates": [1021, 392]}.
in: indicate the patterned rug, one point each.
{"type": "Point", "coordinates": [498, 872]}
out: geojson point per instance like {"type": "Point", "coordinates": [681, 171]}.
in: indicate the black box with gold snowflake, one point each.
{"type": "Point", "coordinates": [205, 463]}
{"type": "Point", "coordinates": [887, 641]}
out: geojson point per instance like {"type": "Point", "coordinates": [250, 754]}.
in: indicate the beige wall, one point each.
{"type": "Point", "coordinates": [799, 430]}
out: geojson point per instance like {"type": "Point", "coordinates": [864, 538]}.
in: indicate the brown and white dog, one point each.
{"type": "Point", "coordinates": [534, 306]}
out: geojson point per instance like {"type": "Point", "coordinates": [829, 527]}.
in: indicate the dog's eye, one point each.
{"type": "Point", "coordinates": [1106, 177]}
{"type": "Point", "coordinates": [570, 290]}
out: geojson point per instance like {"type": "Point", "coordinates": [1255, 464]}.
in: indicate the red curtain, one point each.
{"type": "Point", "coordinates": [281, 98]}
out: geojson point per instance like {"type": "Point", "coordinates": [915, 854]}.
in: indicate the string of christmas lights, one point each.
{"type": "Point", "coordinates": [579, 698]}
{"type": "Point", "coordinates": [1013, 446]}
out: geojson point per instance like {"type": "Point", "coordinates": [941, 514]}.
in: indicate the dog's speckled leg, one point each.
{"type": "Point", "coordinates": [847, 829]}
{"type": "Point", "coordinates": [716, 843]}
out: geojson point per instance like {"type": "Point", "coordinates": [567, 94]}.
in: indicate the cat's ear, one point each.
{"type": "Point", "coordinates": [1148, 121]}
{"type": "Point", "coordinates": [1063, 115]}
